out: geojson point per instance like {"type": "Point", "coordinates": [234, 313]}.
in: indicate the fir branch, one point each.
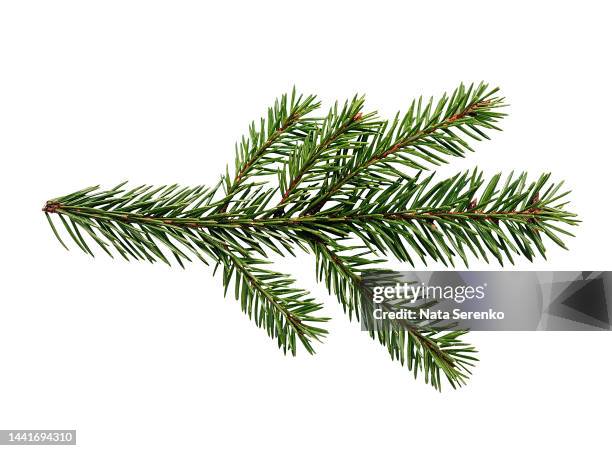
{"type": "Point", "coordinates": [286, 122]}
{"type": "Point", "coordinates": [325, 149]}
{"type": "Point", "coordinates": [268, 297]}
{"type": "Point", "coordinates": [425, 132]}
{"type": "Point", "coordinates": [345, 197]}
{"type": "Point", "coordinates": [440, 220]}
{"type": "Point", "coordinates": [420, 349]}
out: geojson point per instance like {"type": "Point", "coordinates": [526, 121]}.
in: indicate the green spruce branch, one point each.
{"type": "Point", "coordinates": [353, 190]}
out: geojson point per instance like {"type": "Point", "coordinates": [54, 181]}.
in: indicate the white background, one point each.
{"type": "Point", "coordinates": [139, 356]}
